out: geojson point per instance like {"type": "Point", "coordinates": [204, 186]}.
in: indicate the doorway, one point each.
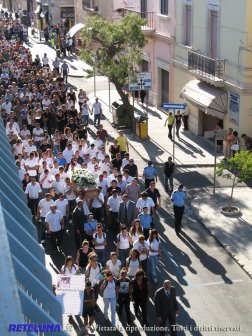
{"type": "Point", "coordinates": [164, 87]}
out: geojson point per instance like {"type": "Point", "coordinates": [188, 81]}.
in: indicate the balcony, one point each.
{"type": "Point", "coordinates": [89, 6]}
{"type": "Point", "coordinates": [148, 28]}
{"type": "Point", "coordinates": [208, 69]}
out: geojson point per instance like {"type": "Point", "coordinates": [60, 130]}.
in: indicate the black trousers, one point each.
{"type": "Point", "coordinates": [124, 301]}
{"type": "Point", "coordinates": [172, 324]}
{"type": "Point", "coordinates": [170, 127]}
{"type": "Point", "coordinates": [142, 303]}
{"type": "Point", "coordinates": [33, 205]}
{"type": "Point", "coordinates": [178, 215]}
{"type": "Point", "coordinates": [114, 222]}
{"type": "Point", "coordinates": [56, 239]}
{"type": "Point", "coordinates": [97, 212]}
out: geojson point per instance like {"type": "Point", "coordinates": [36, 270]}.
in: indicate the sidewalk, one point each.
{"type": "Point", "coordinates": [233, 233]}
{"type": "Point", "coordinates": [190, 151]}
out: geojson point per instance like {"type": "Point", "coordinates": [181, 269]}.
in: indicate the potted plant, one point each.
{"type": "Point", "coordinates": [238, 169]}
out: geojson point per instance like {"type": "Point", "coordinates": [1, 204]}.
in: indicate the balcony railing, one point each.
{"type": "Point", "coordinates": [149, 16]}
{"type": "Point", "coordinates": [206, 66]}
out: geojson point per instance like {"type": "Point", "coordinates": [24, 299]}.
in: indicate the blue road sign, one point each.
{"type": "Point", "coordinates": [174, 106]}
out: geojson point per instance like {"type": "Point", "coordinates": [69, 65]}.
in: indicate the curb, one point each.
{"type": "Point", "coordinates": [224, 246]}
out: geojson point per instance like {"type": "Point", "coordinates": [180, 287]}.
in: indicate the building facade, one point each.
{"type": "Point", "coordinates": [213, 64]}
{"type": "Point", "coordinates": [158, 53]}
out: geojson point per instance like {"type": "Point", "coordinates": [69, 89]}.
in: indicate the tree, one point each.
{"type": "Point", "coordinates": [115, 49]}
{"type": "Point", "coordinates": [237, 169]}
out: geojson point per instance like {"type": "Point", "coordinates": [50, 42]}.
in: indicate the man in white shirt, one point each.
{"type": "Point", "coordinates": [113, 205]}
{"type": "Point", "coordinates": [7, 106]}
{"type": "Point", "coordinates": [43, 209]}
{"type": "Point", "coordinates": [63, 207]}
{"type": "Point", "coordinates": [54, 225]}
{"type": "Point", "coordinates": [58, 184]}
{"type": "Point", "coordinates": [46, 102]}
{"type": "Point", "coordinates": [68, 153]}
{"type": "Point", "coordinates": [103, 183]}
{"type": "Point", "coordinates": [38, 134]}
{"type": "Point", "coordinates": [30, 148]}
{"type": "Point", "coordinates": [46, 181]}
{"type": "Point", "coordinates": [45, 60]}
{"type": "Point", "coordinates": [97, 110]}
{"type": "Point", "coordinates": [33, 191]}
{"type": "Point", "coordinates": [92, 151]}
{"type": "Point", "coordinates": [105, 165]}
{"type": "Point", "coordinates": [31, 165]}
{"type": "Point", "coordinates": [97, 205]}
{"type": "Point", "coordinates": [70, 193]}
{"type": "Point", "coordinates": [145, 201]}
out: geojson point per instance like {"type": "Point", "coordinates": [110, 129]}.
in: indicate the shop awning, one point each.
{"type": "Point", "coordinates": [75, 29]}
{"type": "Point", "coordinates": [207, 98]}
{"type": "Point", "coordinates": [43, 14]}
{"type": "Point", "coordinates": [37, 10]}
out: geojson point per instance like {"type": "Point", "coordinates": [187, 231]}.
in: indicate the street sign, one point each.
{"type": "Point", "coordinates": [143, 82]}
{"type": "Point", "coordinates": [174, 106]}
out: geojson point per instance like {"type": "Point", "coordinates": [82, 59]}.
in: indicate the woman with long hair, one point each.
{"type": "Point", "coordinates": [140, 294]}
{"type": "Point", "coordinates": [136, 230]}
{"type": "Point", "coordinates": [154, 253]}
{"type": "Point", "coordinates": [69, 268]}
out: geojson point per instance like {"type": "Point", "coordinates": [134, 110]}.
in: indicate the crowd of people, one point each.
{"type": "Point", "coordinates": [47, 127]}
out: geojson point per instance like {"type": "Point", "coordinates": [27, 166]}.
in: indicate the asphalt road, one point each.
{"type": "Point", "coordinates": [214, 294]}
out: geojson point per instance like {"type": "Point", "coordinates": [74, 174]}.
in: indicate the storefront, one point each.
{"type": "Point", "coordinates": [67, 16]}
{"type": "Point", "coordinates": [208, 105]}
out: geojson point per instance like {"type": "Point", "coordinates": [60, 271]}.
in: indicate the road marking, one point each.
{"type": "Point", "coordinates": [214, 283]}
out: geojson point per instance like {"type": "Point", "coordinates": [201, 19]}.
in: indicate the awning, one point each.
{"type": "Point", "coordinates": [37, 10]}
{"type": "Point", "coordinates": [43, 14]}
{"type": "Point", "coordinates": [75, 29]}
{"type": "Point", "coordinates": [207, 98]}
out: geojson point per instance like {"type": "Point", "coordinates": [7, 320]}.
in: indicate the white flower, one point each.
{"type": "Point", "coordinates": [83, 177]}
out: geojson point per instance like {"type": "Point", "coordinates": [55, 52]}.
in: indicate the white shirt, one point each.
{"type": "Point", "coordinates": [105, 166]}
{"type": "Point", "coordinates": [96, 204]}
{"type": "Point", "coordinates": [139, 246]}
{"type": "Point", "coordinates": [29, 149]}
{"type": "Point", "coordinates": [53, 219]}
{"type": "Point", "coordinates": [38, 134]}
{"type": "Point", "coordinates": [114, 268]}
{"type": "Point", "coordinates": [145, 203]}
{"type": "Point", "coordinates": [94, 275]}
{"type": "Point", "coordinates": [133, 266]}
{"type": "Point", "coordinates": [109, 292]}
{"type": "Point", "coordinates": [100, 240]}
{"type": "Point", "coordinates": [98, 143]}
{"type": "Point", "coordinates": [124, 162]}
{"type": "Point", "coordinates": [71, 196]}
{"type": "Point", "coordinates": [154, 246]}
{"type": "Point", "coordinates": [33, 190]}
{"type": "Point", "coordinates": [103, 184]}
{"type": "Point", "coordinates": [97, 107]}
{"type": "Point", "coordinates": [66, 271]}
{"type": "Point", "coordinates": [58, 186]}
{"type": "Point", "coordinates": [47, 183]}
{"type": "Point", "coordinates": [45, 60]}
{"type": "Point", "coordinates": [31, 163]}
{"type": "Point", "coordinates": [21, 172]}
{"type": "Point", "coordinates": [68, 154]}
{"type": "Point", "coordinates": [123, 241]}
{"type": "Point", "coordinates": [61, 206]}
{"type": "Point", "coordinates": [114, 203]}
{"type": "Point", "coordinates": [45, 206]}
{"type": "Point", "coordinates": [91, 152]}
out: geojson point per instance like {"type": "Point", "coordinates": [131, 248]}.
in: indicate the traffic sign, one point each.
{"type": "Point", "coordinates": [174, 106]}
{"type": "Point", "coordinates": [143, 82]}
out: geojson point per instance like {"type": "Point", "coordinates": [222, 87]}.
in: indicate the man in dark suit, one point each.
{"type": "Point", "coordinates": [78, 223]}
{"type": "Point", "coordinates": [127, 211]}
{"type": "Point", "coordinates": [166, 297]}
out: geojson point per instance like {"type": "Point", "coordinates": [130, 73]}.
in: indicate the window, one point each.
{"type": "Point", "coordinates": [164, 7]}
{"type": "Point", "coordinates": [87, 4]}
{"type": "Point", "coordinates": [213, 33]}
{"type": "Point", "coordinates": [188, 26]}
